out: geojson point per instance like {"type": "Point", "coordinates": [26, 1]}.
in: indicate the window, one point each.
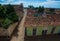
{"type": "Point", "coordinates": [44, 31]}
{"type": "Point", "coordinates": [25, 31]}
{"type": "Point", "coordinates": [34, 31]}
{"type": "Point", "coordinates": [53, 29]}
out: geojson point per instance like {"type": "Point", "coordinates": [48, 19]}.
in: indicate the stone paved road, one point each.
{"type": "Point", "coordinates": [21, 29]}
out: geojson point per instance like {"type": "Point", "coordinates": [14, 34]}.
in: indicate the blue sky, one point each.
{"type": "Point", "coordinates": [45, 3]}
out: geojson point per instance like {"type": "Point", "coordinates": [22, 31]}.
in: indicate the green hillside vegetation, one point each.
{"type": "Point", "coordinates": [7, 16]}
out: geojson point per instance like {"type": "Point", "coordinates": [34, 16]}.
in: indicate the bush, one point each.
{"type": "Point", "coordinates": [6, 22]}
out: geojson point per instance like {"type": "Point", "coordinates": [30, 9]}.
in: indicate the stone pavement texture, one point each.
{"type": "Point", "coordinates": [21, 29]}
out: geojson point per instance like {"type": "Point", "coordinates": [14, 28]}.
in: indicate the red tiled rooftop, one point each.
{"type": "Point", "coordinates": [49, 20]}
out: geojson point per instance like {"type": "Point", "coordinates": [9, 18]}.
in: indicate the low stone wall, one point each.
{"type": "Point", "coordinates": [11, 28]}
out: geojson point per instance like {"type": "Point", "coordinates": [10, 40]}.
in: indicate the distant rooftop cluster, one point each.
{"type": "Point", "coordinates": [45, 19]}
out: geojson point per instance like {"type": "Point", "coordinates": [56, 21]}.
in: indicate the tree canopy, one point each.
{"type": "Point", "coordinates": [52, 11]}
{"type": "Point", "coordinates": [7, 15]}
{"type": "Point", "coordinates": [2, 12]}
{"type": "Point", "coordinates": [40, 9]}
{"type": "Point", "coordinates": [31, 6]}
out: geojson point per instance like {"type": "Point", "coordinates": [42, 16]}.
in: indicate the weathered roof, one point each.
{"type": "Point", "coordinates": [53, 20]}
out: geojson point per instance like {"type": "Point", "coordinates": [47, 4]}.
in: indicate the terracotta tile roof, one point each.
{"type": "Point", "coordinates": [41, 21]}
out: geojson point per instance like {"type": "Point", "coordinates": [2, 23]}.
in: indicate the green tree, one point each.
{"type": "Point", "coordinates": [11, 14]}
{"type": "Point", "coordinates": [31, 6]}
{"type": "Point", "coordinates": [36, 8]}
{"type": "Point", "coordinates": [2, 12]}
{"type": "Point", "coordinates": [10, 9]}
{"type": "Point", "coordinates": [40, 9]}
{"type": "Point", "coordinates": [52, 10]}
{"type": "Point", "coordinates": [7, 15]}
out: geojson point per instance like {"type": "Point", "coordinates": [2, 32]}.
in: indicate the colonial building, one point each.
{"type": "Point", "coordinates": [42, 25]}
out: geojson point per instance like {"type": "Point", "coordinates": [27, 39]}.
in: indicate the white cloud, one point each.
{"type": "Point", "coordinates": [48, 3]}
{"type": "Point", "coordinates": [53, 4]}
